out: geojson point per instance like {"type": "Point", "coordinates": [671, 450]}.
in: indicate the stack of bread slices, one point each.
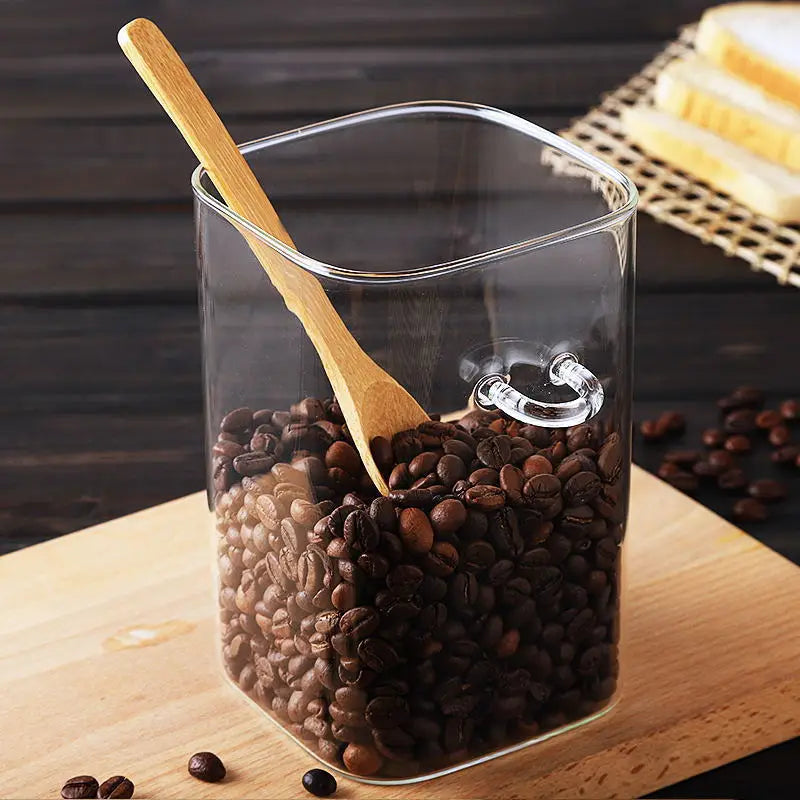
{"type": "Point", "coordinates": [729, 114]}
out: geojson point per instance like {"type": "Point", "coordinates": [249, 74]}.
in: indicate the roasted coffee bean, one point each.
{"type": "Point", "coordinates": [484, 476]}
{"type": "Point", "coordinates": [767, 490]}
{"type": "Point", "coordinates": [610, 459]}
{"type": "Point", "coordinates": [373, 565]}
{"type": "Point", "coordinates": [500, 572]}
{"type": "Point", "coordinates": [79, 787]}
{"type": "Point", "coordinates": [406, 445]}
{"type": "Point", "coordinates": [381, 449]}
{"type": "Point", "coordinates": [478, 556]}
{"type": "Point", "coordinates": [442, 560]}
{"type": "Point", "coordinates": [116, 787]}
{"type": "Point", "coordinates": [582, 488]}
{"type": "Point", "coordinates": [512, 480]}
{"type": "Point", "coordinates": [319, 783]}
{"type": "Point", "coordinates": [411, 498]}
{"type": "Point", "coordinates": [713, 437]}
{"type": "Point", "coordinates": [378, 654]}
{"type": "Point", "coordinates": [790, 410]}
{"type": "Point", "coordinates": [494, 452]}
{"type": "Point", "coordinates": [344, 456]}
{"type": "Point", "coordinates": [206, 767]}
{"type": "Point", "coordinates": [360, 532]}
{"type": "Point", "coordinates": [573, 464]}
{"type": "Point", "coordinates": [743, 420]}
{"type": "Point", "coordinates": [747, 396]}
{"type": "Point", "coordinates": [227, 450]}
{"type": "Point", "coordinates": [750, 510]}
{"type": "Point", "coordinates": [672, 421]}
{"type": "Point", "coordinates": [451, 468]}
{"type": "Point", "coordinates": [536, 465]}
{"type": "Point", "coordinates": [779, 436]}
{"type": "Point", "coordinates": [460, 449]}
{"type": "Point", "coordinates": [387, 712]}
{"type": "Point", "coordinates": [684, 458]}
{"type": "Point", "coordinates": [448, 516]}
{"type": "Point", "coordinates": [237, 421]}
{"type": "Point", "coordinates": [404, 580]}
{"type": "Point", "coordinates": [651, 431]}
{"type": "Point", "coordinates": [415, 530]}
{"type": "Point", "coordinates": [733, 480]}
{"type": "Point", "coordinates": [580, 436]}
{"type": "Point", "coordinates": [721, 460]}
{"type": "Point", "coordinates": [768, 418]}
{"type": "Point", "coordinates": [359, 623]}
{"type": "Point", "coordinates": [485, 498]}
{"type": "Point", "coordinates": [382, 512]}
{"type": "Point", "coordinates": [703, 469]}
{"type": "Point", "coordinates": [738, 444]}
{"type": "Point", "coordinates": [541, 490]}
{"type": "Point", "coordinates": [463, 591]}
{"type": "Point", "coordinates": [343, 597]}
{"type": "Point", "coordinates": [504, 532]}
{"type": "Point", "coordinates": [362, 759]}
{"type": "Point", "coordinates": [422, 464]}
{"type": "Point", "coordinates": [399, 478]}
{"type": "Point", "coordinates": [786, 455]}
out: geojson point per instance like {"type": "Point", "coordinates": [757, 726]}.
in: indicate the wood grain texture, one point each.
{"type": "Point", "coordinates": [704, 603]}
{"type": "Point", "coordinates": [48, 26]}
{"type": "Point", "coordinates": [143, 161]}
{"type": "Point", "coordinates": [147, 252]}
{"type": "Point", "coordinates": [327, 81]}
{"type": "Point", "coordinates": [134, 358]}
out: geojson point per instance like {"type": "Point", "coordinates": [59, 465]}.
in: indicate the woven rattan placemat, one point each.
{"type": "Point", "coordinates": [676, 197]}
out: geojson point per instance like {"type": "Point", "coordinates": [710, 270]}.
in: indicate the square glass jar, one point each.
{"type": "Point", "coordinates": [488, 266]}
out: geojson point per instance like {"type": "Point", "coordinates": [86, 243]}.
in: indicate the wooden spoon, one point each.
{"type": "Point", "coordinates": [373, 403]}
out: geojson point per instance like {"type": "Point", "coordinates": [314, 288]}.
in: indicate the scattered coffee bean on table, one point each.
{"type": "Point", "coordinates": [475, 606]}
{"type": "Point", "coordinates": [207, 766]}
{"type": "Point", "coordinates": [767, 490]}
{"type": "Point", "coordinates": [79, 787]}
{"type": "Point", "coordinates": [742, 414]}
{"type": "Point", "coordinates": [319, 782]}
{"type": "Point", "coordinates": [790, 410]}
{"type": "Point", "coordinates": [750, 510]}
{"type": "Point", "coordinates": [116, 788]}
{"type": "Point", "coordinates": [738, 444]}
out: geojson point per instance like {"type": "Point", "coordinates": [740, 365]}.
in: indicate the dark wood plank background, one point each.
{"type": "Point", "coordinates": [99, 344]}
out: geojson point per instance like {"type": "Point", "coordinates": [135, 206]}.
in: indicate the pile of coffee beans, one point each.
{"type": "Point", "coordinates": [475, 607]}
{"type": "Point", "coordinates": [744, 425]}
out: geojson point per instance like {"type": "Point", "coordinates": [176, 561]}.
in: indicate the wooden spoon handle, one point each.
{"type": "Point", "coordinates": [162, 69]}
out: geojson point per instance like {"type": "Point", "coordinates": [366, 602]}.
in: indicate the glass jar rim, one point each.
{"type": "Point", "coordinates": [451, 108]}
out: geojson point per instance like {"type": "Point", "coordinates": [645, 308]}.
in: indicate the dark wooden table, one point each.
{"type": "Point", "coordinates": [100, 353]}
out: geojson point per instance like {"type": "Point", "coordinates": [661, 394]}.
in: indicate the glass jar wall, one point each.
{"type": "Point", "coordinates": [487, 265]}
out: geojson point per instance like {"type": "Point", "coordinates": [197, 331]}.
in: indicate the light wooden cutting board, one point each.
{"type": "Point", "coordinates": [711, 670]}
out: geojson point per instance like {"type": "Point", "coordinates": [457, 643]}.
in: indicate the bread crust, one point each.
{"type": "Point", "coordinates": [721, 46]}
{"type": "Point", "coordinates": [713, 162]}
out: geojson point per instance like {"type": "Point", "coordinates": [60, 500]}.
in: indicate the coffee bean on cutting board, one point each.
{"type": "Point", "coordinates": [79, 787]}
{"type": "Point", "coordinates": [319, 782]}
{"type": "Point", "coordinates": [206, 767]}
{"type": "Point", "coordinates": [116, 788]}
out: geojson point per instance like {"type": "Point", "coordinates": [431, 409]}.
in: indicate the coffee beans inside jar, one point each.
{"type": "Point", "coordinates": [473, 608]}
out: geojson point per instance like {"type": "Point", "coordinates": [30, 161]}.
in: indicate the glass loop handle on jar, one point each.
{"type": "Point", "coordinates": [494, 392]}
